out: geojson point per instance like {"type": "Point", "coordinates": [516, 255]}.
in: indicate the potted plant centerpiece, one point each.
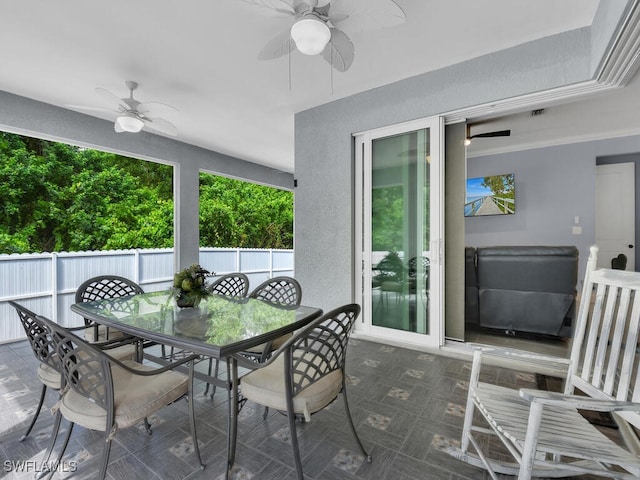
{"type": "Point", "coordinates": [189, 286]}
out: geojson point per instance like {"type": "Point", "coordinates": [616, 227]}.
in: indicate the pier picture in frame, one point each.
{"type": "Point", "coordinates": [492, 195]}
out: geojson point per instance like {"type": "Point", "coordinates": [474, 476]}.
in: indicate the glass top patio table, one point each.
{"type": "Point", "coordinates": [219, 327]}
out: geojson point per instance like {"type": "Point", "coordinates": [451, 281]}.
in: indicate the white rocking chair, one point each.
{"type": "Point", "coordinates": [544, 431]}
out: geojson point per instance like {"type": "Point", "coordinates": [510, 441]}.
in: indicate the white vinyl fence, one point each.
{"type": "Point", "coordinates": [46, 282]}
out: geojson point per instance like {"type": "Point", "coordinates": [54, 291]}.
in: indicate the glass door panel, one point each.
{"type": "Point", "coordinates": [400, 232]}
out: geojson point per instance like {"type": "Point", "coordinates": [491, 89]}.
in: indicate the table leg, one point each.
{"type": "Point", "coordinates": [232, 425]}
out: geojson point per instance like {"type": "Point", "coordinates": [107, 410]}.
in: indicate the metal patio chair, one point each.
{"type": "Point", "coordinates": [100, 288]}
{"type": "Point", "coordinates": [282, 291]}
{"type": "Point", "coordinates": [49, 370]}
{"type": "Point", "coordinates": [44, 350]}
{"type": "Point", "coordinates": [230, 285]}
{"type": "Point", "coordinates": [104, 394]}
{"type": "Point", "coordinates": [234, 285]}
{"type": "Point", "coordinates": [306, 373]}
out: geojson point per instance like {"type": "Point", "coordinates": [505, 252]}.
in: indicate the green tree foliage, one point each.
{"type": "Point", "coordinates": [388, 223]}
{"type": "Point", "coordinates": [502, 187]}
{"type": "Point", "coordinates": [387, 212]}
{"type": "Point", "coordinates": [241, 214]}
{"type": "Point", "coordinates": [57, 197]}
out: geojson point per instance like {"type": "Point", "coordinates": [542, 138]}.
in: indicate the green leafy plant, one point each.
{"type": "Point", "coordinates": [189, 285]}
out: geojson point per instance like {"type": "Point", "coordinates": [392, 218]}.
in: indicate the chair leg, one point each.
{"type": "Point", "coordinates": [62, 450]}
{"type": "Point", "coordinates": [353, 428]}
{"type": "Point", "coordinates": [266, 354]}
{"type": "Point", "coordinates": [105, 458]}
{"type": "Point", "coordinates": [37, 412]}
{"type": "Point", "coordinates": [192, 417]}
{"type": "Point", "coordinates": [294, 444]}
{"type": "Point", "coordinates": [52, 441]}
{"type": "Point", "coordinates": [468, 416]}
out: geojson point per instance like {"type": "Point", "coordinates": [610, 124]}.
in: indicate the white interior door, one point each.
{"type": "Point", "coordinates": [615, 213]}
{"type": "Point", "coordinates": [400, 190]}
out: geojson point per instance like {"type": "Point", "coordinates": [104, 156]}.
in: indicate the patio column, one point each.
{"type": "Point", "coordinates": [186, 193]}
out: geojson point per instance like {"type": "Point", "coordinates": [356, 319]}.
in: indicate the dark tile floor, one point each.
{"type": "Point", "coordinates": [407, 407]}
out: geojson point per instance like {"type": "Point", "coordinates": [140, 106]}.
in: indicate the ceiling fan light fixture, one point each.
{"type": "Point", "coordinates": [129, 122]}
{"type": "Point", "coordinates": [311, 35]}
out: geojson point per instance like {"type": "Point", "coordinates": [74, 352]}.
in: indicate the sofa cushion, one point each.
{"type": "Point", "coordinates": [534, 312]}
{"type": "Point", "coordinates": [528, 269]}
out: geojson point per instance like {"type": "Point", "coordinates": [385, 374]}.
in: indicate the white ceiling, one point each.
{"type": "Point", "coordinates": [200, 57]}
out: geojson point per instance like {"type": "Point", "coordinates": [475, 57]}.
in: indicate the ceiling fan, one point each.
{"type": "Point", "coordinates": [315, 29]}
{"type": "Point", "coordinates": [132, 115]}
{"type": "Point", "coordinates": [497, 133]}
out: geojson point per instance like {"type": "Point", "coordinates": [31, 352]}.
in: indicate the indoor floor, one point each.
{"type": "Point", "coordinates": [543, 345]}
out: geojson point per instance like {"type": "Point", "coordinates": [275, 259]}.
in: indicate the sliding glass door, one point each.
{"type": "Point", "coordinates": [400, 231]}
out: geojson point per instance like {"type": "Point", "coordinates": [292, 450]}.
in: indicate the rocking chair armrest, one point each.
{"type": "Point", "coordinates": [155, 371]}
{"type": "Point", "coordinates": [577, 401]}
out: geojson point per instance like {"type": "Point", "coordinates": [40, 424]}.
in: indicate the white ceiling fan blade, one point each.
{"type": "Point", "coordinates": [358, 15]}
{"type": "Point", "coordinates": [160, 125]}
{"type": "Point", "coordinates": [273, 6]}
{"type": "Point", "coordinates": [111, 98]}
{"type": "Point", "coordinates": [340, 51]}
{"type": "Point", "coordinates": [280, 45]}
{"type": "Point", "coordinates": [85, 108]}
{"type": "Point", "coordinates": [155, 107]}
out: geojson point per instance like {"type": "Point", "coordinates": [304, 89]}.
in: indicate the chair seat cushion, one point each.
{"type": "Point", "coordinates": [125, 352]}
{"type": "Point", "coordinates": [266, 386]}
{"type": "Point", "coordinates": [135, 397]}
{"type": "Point", "coordinates": [104, 333]}
{"type": "Point", "coordinates": [49, 376]}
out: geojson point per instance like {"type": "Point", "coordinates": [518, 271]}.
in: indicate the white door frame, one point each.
{"type": "Point", "coordinates": [362, 256]}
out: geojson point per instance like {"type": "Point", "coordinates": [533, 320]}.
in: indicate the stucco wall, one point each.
{"type": "Point", "coordinates": [324, 223]}
{"type": "Point", "coordinates": [324, 199]}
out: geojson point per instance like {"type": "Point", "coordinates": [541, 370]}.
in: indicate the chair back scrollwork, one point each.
{"type": "Point", "coordinates": [284, 291]}
{"type": "Point", "coordinates": [230, 285]}
{"type": "Point", "coordinates": [321, 348]}
{"type": "Point", "coordinates": [38, 336]}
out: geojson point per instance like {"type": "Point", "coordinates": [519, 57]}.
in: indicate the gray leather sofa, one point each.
{"type": "Point", "coordinates": [528, 289]}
